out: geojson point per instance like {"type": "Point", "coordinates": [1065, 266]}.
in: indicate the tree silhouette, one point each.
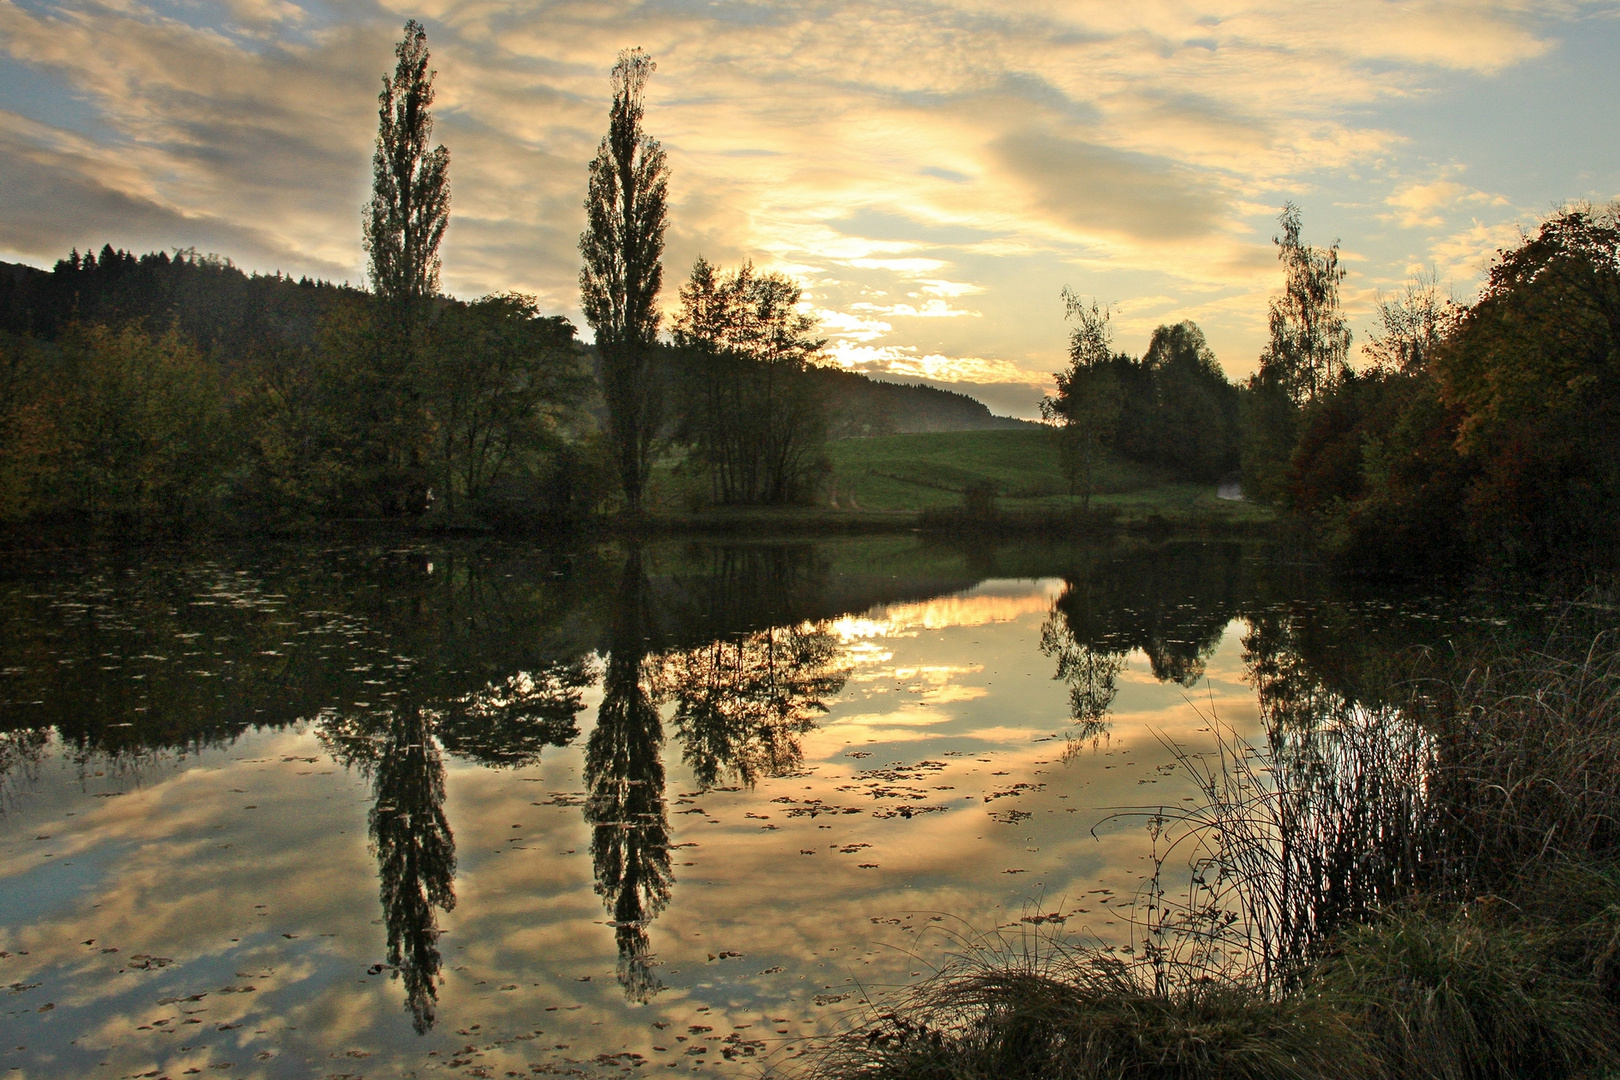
{"type": "Point", "coordinates": [619, 281]}
{"type": "Point", "coordinates": [751, 409]}
{"type": "Point", "coordinates": [624, 773]}
{"type": "Point", "coordinates": [404, 223]}
{"type": "Point", "coordinates": [416, 855]}
{"type": "Point", "coordinates": [1310, 340]}
{"type": "Point", "coordinates": [410, 186]}
{"type": "Point", "coordinates": [1304, 360]}
{"type": "Point", "coordinates": [1086, 409]}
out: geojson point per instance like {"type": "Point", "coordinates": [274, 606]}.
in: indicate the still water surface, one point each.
{"type": "Point", "coordinates": [490, 810]}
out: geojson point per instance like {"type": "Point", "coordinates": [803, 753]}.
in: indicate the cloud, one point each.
{"type": "Point", "coordinates": [1466, 255]}
{"type": "Point", "coordinates": [950, 290]}
{"type": "Point", "coordinates": [62, 191]}
{"type": "Point", "coordinates": [1098, 191]}
{"type": "Point", "coordinates": [895, 158]}
{"type": "Point", "coordinates": [1424, 205]}
{"type": "Point", "coordinates": [907, 362]}
{"type": "Point", "coordinates": [929, 309]}
{"type": "Point", "coordinates": [846, 326]}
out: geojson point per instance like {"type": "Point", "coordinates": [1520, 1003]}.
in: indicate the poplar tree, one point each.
{"type": "Point", "coordinates": [621, 273]}
{"type": "Point", "coordinates": [403, 224]}
{"type": "Point", "coordinates": [410, 187]}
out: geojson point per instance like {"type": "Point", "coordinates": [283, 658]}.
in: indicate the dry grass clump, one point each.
{"type": "Point", "coordinates": [1528, 767]}
{"type": "Point", "coordinates": [1469, 993]}
{"type": "Point", "coordinates": [1094, 1016]}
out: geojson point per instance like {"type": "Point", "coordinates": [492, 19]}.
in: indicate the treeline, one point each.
{"type": "Point", "coordinates": [164, 391]}
{"type": "Point", "coordinates": [160, 393]}
{"type": "Point", "coordinates": [1173, 407]}
{"type": "Point", "coordinates": [1483, 434]}
{"type": "Point", "coordinates": [1477, 435]}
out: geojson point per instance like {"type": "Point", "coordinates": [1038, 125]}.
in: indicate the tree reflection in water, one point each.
{"type": "Point", "coordinates": [505, 723]}
{"type": "Point", "coordinates": [509, 721]}
{"type": "Point", "coordinates": [493, 647]}
{"type": "Point", "coordinates": [416, 855]}
{"type": "Point", "coordinates": [1172, 604]}
{"type": "Point", "coordinates": [1093, 678]}
{"type": "Point", "coordinates": [742, 704]}
{"type": "Point", "coordinates": [624, 776]}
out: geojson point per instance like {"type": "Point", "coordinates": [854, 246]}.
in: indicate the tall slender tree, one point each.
{"type": "Point", "coordinates": [410, 186]}
{"type": "Point", "coordinates": [622, 246]}
{"type": "Point", "coordinates": [1303, 362]}
{"type": "Point", "coordinates": [403, 224]}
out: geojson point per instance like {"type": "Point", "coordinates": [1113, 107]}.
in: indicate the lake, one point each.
{"type": "Point", "coordinates": [496, 809]}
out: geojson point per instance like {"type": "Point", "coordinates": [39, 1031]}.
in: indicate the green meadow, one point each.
{"type": "Point", "coordinates": [885, 478]}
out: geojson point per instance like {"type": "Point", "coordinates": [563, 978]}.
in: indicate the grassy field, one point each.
{"type": "Point", "coordinates": [900, 476]}
{"type": "Point", "coordinates": [931, 472]}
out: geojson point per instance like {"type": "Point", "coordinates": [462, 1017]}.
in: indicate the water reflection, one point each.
{"type": "Point", "coordinates": [416, 856]}
{"type": "Point", "coordinates": [743, 705]}
{"type": "Point", "coordinates": [403, 663]}
{"type": "Point", "coordinates": [411, 839]}
{"type": "Point", "coordinates": [1172, 603]}
{"type": "Point", "coordinates": [1092, 675]}
{"type": "Point", "coordinates": [624, 775]}
{"type": "Point", "coordinates": [507, 723]}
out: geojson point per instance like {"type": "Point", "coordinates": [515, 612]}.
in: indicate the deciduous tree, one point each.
{"type": "Point", "coordinates": [754, 416]}
{"type": "Point", "coordinates": [502, 381]}
{"type": "Point", "coordinates": [1086, 408]}
{"type": "Point", "coordinates": [619, 282]}
{"type": "Point", "coordinates": [1304, 359]}
{"type": "Point", "coordinates": [1310, 339]}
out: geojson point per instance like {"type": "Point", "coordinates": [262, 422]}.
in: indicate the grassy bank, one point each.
{"type": "Point", "coordinates": [897, 482]}
{"type": "Point", "coordinates": [1429, 889]}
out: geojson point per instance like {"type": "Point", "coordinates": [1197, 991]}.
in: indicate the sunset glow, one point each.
{"type": "Point", "coordinates": [934, 174]}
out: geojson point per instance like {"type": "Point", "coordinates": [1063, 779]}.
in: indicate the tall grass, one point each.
{"type": "Point", "coordinates": [1060, 1014]}
{"type": "Point", "coordinates": [1527, 771]}
{"type": "Point", "coordinates": [1468, 992]}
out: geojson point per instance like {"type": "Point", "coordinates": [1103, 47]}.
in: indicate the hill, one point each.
{"type": "Point", "coordinates": [222, 308]}
{"type": "Point", "coordinates": [214, 303]}
{"type": "Point", "coordinates": [865, 406]}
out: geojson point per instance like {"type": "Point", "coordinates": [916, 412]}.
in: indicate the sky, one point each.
{"type": "Point", "coordinates": [933, 172]}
